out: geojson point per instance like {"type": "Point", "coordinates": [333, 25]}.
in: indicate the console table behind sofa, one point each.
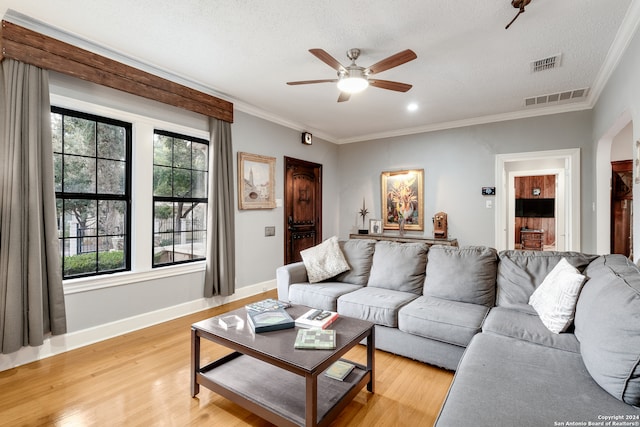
{"type": "Point", "coordinates": [406, 239]}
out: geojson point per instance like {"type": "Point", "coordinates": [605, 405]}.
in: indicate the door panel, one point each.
{"type": "Point", "coordinates": [303, 207]}
{"type": "Point", "coordinates": [621, 207]}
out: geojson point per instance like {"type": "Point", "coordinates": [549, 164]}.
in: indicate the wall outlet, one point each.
{"type": "Point", "coordinates": [270, 231]}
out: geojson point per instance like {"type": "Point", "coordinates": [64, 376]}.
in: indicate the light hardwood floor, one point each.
{"type": "Point", "coordinates": [142, 379]}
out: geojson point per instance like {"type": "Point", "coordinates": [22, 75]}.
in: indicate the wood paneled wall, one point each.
{"type": "Point", "coordinates": [524, 190]}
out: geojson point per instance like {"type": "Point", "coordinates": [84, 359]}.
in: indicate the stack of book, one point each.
{"type": "Point", "coordinates": [319, 319]}
{"type": "Point", "coordinates": [269, 315]}
{"type": "Point", "coordinates": [339, 370]}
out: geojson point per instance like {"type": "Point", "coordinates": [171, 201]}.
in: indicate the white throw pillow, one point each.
{"type": "Point", "coordinates": [324, 261]}
{"type": "Point", "coordinates": [555, 299]}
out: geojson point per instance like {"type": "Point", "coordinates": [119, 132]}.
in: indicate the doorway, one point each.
{"type": "Point", "coordinates": [302, 207]}
{"type": "Point", "coordinates": [536, 209]}
{"type": "Point", "coordinates": [565, 165]}
{"type": "Point", "coordinates": [622, 207]}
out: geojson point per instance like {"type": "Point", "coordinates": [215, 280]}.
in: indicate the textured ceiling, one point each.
{"type": "Point", "coordinates": [469, 68]}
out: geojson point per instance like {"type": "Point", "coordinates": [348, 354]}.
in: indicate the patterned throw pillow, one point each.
{"type": "Point", "coordinates": [324, 261]}
{"type": "Point", "coordinates": [555, 299]}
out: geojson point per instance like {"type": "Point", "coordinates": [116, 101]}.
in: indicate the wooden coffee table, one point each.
{"type": "Point", "coordinates": [270, 378]}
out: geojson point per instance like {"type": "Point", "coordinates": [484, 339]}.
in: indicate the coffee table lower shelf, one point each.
{"type": "Point", "coordinates": [268, 390]}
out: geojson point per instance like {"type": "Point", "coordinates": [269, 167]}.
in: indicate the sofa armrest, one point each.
{"type": "Point", "coordinates": [288, 275]}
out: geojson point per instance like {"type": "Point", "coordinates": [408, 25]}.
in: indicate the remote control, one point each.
{"type": "Point", "coordinates": [323, 316]}
{"type": "Point", "coordinates": [314, 314]}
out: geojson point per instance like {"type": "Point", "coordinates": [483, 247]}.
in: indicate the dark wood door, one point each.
{"type": "Point", "coordinates": [302, 207]}
{"type": "Point", "coordinates": [621, 207]}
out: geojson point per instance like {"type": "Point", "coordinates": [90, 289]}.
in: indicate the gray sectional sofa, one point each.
{"type": "Point", "coordinates": [467, 309]}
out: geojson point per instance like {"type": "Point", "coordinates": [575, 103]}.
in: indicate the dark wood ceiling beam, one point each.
{"type": "Point", "coordinates": [30, 47]}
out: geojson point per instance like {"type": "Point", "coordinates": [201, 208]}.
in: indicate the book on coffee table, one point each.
{"type": "Point", "coordinates": [267, 305]}
{"type": "Point", "coordinates": [339, 370]}
{"type": "Point", "coordinates": [315, 339]}
{"type": "Point", "coordinates": [272, 320]}
{"type": "Point", "coordinates": [315, 318]}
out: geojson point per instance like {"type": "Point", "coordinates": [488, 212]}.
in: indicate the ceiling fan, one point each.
{"type": "Point", "coordinates": [354, 78]}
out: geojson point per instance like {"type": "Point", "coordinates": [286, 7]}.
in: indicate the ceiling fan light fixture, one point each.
{"type": "Point", "coordinates": [352, 84]}
{"type": "Point", "coordinates": [353, 81]}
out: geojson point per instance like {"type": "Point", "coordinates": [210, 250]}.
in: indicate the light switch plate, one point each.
{"type": "Point", "coordinates": [270, 231]}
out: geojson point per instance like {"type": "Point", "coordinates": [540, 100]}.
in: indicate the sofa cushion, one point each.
{"type": "Point", "coordinates": [502, 381]}
{"type": "Point", "coordinates": [521, 272]}
{"type": "Point", "coordinates": [377, 305]}
{"type": "Point", "coordinates": [324, 261]}
{"type": "Point", "coordinates": [527, 327]}
{"type": "Point", "coordinates": [452, 322]}
{"type": "Point", "coordinates": [322, 295]}
{"type": "Point", "coordinates": [556, 297]}
{"type": "Point", "coordinates": [607, 325]}
{"type": "Point", "coordinates": [399, 266]}
{"type": "Point", "coordinates": [465, 274]}
{"type": "Point", "coordinates": [359, 255]}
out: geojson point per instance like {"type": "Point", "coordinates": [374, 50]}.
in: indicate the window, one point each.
{"type": "Point", "coordinates": [93, 186]}
{"type": "Point", "coordinates": [180, 170]}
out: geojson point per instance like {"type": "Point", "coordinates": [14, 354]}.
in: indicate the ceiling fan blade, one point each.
{"type": "Point", "coordinates": [308, 82]}
{"type": "Point", "coordinates": [386, 84]}
{"type": "Point", "coordinates": [323, 56]}
{"type": "Point", "coordinates": [344, 96]}
{"type": "Point", "coordinates": [393, 61]}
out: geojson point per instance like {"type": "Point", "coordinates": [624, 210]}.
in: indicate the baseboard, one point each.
{"type": "Point", "coordinates": [62, 343]}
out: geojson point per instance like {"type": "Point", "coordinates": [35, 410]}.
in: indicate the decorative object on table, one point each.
{"type": "Point", "coordinates": [402, 199]}
{"type": "Point", "coordinates": [339, 370]}
{"type": "Point", "coordinates": [268, 304]}
{"type": "Point", "coordinates": [256, 181]}
{"type": "Point", "coordinates": [363, 213]}
{"type": "Point", "coordinates": [272, 320]}
{"type": "Point", "coordinates": [440, 225]}
{"type": "Point", "coordinates": [316, 318]}
{"type": "Point", "coordinates": [231, 321]}
{"type": "Point", "coordinates": [375, 226]}
{"type": "Point", "coordinates": [315, 339]}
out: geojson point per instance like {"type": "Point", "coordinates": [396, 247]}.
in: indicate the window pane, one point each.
{"type": "Point", "coordinates": [162, 150]}
{"type": "Point", "coordinates": [83, 263]}
{"type": "Point", "coordinates": [57, 172]}
{"type": "Point", "coordinates": [79, 136]}
{"type": "Point", "coordinates": [56, 132]}
{"type": "Point", "coordinates": [199, 184]}
{"type": "Point", "coordinates": [111, 141]}
{"type": "Point", "coordinates": [182, 183]}
{"type": "Point", "coordinates": [200, 160]}
{"type": "Point", "coordinates": [112, 217]}
{"type": "Point", "coordinates": [109, 259]}
{"type": "Point", "coordinates": [79, 174]}
{"type": "Point", "coordinates": [181, 153]}
{"type": "Point", "coordinates": [111, 177]}
{"type": "Point", "coordinates": [162, 181]}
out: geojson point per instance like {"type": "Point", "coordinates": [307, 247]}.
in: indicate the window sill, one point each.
{"type": "Point", "coordinates": [86, 284]}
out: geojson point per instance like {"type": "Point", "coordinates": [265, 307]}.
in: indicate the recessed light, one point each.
{"type": "Point", "coordinates": [412, 107]}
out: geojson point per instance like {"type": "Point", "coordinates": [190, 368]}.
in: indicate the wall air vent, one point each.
{"type": "Point", "coordinates": [546, 63]}
{"type": "Point", "coordinates": [556, 98]}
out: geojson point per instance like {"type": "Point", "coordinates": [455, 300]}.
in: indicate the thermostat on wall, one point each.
{"type": "Point", "coordinates": [488, 191]}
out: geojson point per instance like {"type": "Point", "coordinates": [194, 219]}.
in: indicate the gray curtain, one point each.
{"type": "Point", "coordinates": [31, 294]}
{"type": "Point", "coordinates": [220, 276]}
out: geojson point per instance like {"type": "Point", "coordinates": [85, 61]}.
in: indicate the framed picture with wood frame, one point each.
{"type": "Point", "coordinates": [256, 181]}
{"type": "Point", "coordinates": [402, 199]}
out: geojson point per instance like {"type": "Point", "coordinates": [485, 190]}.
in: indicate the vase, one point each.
{"type": "Point", "coordinates": [401, 226]}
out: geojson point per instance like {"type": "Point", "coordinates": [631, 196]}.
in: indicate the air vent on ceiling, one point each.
{"type": "Point", "coordinates": [560, 97]}
{"type": "Point", "coordinates": [546, 63]}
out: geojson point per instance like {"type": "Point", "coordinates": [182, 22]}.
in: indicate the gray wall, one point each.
{"type": "Point", "coordinates": [457, 163]}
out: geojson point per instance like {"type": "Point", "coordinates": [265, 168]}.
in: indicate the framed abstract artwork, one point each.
{"type": "Point", "coordinates": [256, 181]}
{"type": "Point", "coordinates": [402, 199]}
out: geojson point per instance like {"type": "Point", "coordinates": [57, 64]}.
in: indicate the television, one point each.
{"type": "Point", "coordinates": [535, 208]}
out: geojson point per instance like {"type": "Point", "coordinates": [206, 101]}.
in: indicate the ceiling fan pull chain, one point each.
{"type": "Point", "coordinates": [516, 17]}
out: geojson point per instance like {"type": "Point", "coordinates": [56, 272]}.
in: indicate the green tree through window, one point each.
{"type": "Point", "coordinates": [92, 183]}
{"type": "Point", "coordinates": [180, 170]}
